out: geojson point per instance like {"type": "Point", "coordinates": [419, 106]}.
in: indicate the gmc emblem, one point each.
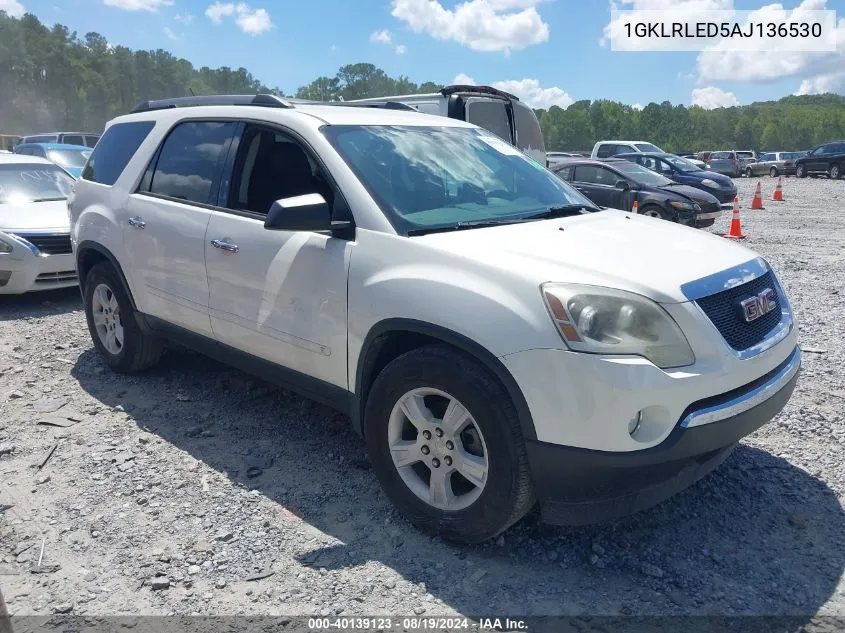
{"type": "Point", "coordinates": [758, 305]}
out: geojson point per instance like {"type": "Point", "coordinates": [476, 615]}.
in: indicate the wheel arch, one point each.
{"type": "Point", "coordinates": [390, 338]}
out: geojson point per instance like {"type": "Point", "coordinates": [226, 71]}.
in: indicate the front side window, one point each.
{"type": "Point", "coordinates": [491, 115]}
{"type": "Point", "coordinates": [109, 158]}
{"type": "Point", "coordinates": [26, 182]}
{"type": "Point", "coordinates": [438, 177]}
{"type": "Point", "coordinates": [190, 160]}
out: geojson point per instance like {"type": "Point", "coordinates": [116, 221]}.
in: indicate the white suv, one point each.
{"type": "Point", "coordinates": [497, 339]}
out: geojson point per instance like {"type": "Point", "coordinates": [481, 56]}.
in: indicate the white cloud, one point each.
{"type": "Point", "coordinates": [138, 5]}
{"type": "Point", "coordinates": [694, 10]}
{"type": "Point", "coordinates": [184, 18]}
{"type": "Point", "coordinates": [381, 37]}
{"type": "Point", "coordinates": [482, 25]}
{"type": "Point", "coordinates": [250, 21]}
{"type": "Point", "coordinates": [820, 84]}
{"type": "Point", "coordinates": [712, 97]}
{"type": "Point", "coordinates": [169, 34]}
{"type": "Point", "coordinates": [718, 64]}
{"type": "Point", "coordinates": [637, 106]}
{"type": "Point", "coordinates": [528, 90]}
{"type": "Point", "coordinates": [12, 7]}
{"type": "Point", "coordinates": [401, 49]}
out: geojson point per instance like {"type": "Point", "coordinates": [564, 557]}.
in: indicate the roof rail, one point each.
{"type": "Point", "coordinates": [387, 105]}
{"type": "Point", "coordinates": [267, 100]}
{"type": "Point", "coordinates": [489, 90]}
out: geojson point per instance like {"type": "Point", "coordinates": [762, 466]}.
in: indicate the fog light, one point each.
{"type": "Point", "coordinates": [634, 425]}
{"type": "Point", "coordinates": [4, 277]}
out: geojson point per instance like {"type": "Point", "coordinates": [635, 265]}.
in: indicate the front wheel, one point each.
{"type": "Point", "coordinates": [773, 172]}
{"type": "Point", "coordinates": [834, 172]}
{"type": "Point", "coordinates": [445, 442]}
{"type": "Point", "coordinates": [653, 211]}
{"type": "Point", "coordinates": [121, 342]}
{"type": "Point", "coordinates": [800, 171]}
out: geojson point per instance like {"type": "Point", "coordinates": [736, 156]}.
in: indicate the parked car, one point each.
{"type": "Point", "coordinates": [387, 263]}
{"type": "Point", "coordinates": [606, 149]}
{"type": "Point", "coordinates": [35, 249]}
{"type": "Point", "coordinates": [71, 157]}
{"type": "Point", "coordinates": [552, 157]}
{"type": "Point", "coordinates": [745, 158]}
{"type": "Point", "coordinates": [616, 183]}
{"type": "Point", "coordinates": [693, 158]}
{"type": "Point", "coordinates": [65, 138]}
{"type": "Point", "coordinates": [500, 112]}
{"type": "Point", "coordinates": [825, 159]}
{"type": "Point", "coordinates": [725, 162]}
{"type": "Point", "coordinates": [773, 163]}
{"type": "Point", "coordinates": [682, 171]}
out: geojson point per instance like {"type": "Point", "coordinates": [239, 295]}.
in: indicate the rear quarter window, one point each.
{"type": "Point", "coordinates": [491, 115]}
{"type": "Point", "coordinates": [114, 151]}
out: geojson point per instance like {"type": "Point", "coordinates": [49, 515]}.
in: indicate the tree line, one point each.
{"type": "Point", "coordinates": [54, 79]}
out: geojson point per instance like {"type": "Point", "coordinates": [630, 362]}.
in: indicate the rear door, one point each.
{"type": "Point", "coordinates": [167, 219]}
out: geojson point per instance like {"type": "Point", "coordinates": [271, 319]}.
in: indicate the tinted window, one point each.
{"type": "Point", "coordinates": [91, 141]}
{"type": "Point", "coordinates": [838, 148]}
{"type": "Point", "coordinates": [595, 174]}
{"type": "Point", "coordinates": [769, 157]}
{"type": "Point", "coordinates": [73, 139]}
{"type": "Point", "coordinates": [606, 150]}
{"type": "Point", "coordinates": [492, 116]}
{"type": "Point", "coordinates": [745, 154]}
{"type": "Point", "coordinates": [528, 133]}
{"type": "Point", "coordinates": [271, 166]}
{"type": "Point", "coordinates": [120, 142]}
{"type": "Point", "coordinates": [721, 156]}
{"type": "Point", "coordinates": [190, 160]}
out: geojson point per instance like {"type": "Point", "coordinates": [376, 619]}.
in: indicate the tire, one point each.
{"type": "Point", "coordinates": [749, 173]}
{"type": "Point", "coordinates": [835, 172]}
{"type": "Point", "coordinates": [773, 172]}
{"type": "Point", "coordinates": [654, 211]}
{"type": "Point", "coordinates": [108, 310]}
{"type": "Point", "coordinates": [800, 171]}
{"type": "Point", "coordinates": [506, 494]}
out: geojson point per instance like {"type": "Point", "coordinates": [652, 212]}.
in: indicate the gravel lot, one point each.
{"type": "Point", "coordinates": [195, 489]}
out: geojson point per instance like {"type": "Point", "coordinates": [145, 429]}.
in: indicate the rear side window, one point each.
{"type": "Point", "coordinates": [91, 141]}
{"type": "Point", "coordinates": [190, 160]}
{"type": "Point", "coordinates": [73, 139]}
{"type": "Point", "coordinates": [606, 150]}
{"type": "Point", "coordinates": [528, 133]}
{"type": "Point", "coordinates": [595, 174]}
{"type": "Point", "coordinates": [120, 142]}
{"type": "Point", "coordinates": [564, 172]}
{"type": "Point", "coordinates": [490, 115]}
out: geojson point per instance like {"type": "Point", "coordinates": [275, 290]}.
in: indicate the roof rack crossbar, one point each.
{"type": "Point", "coordinates": [267, 100]}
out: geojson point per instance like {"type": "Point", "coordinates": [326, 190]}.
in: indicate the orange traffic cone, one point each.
{"type": "Point", "coordinates": [735, 232]}
{"type": "Point", "coordinates": [757, 202]}
{"type": "Point", "coordinates": [778, 194]}
{"type": "Point", "coordinates": [636, 207]}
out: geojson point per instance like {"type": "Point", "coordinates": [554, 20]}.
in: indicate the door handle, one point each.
{"type": "Point", "coordinates": [225, 246]}
{"type": "Point", "coordinates": [137, 222]}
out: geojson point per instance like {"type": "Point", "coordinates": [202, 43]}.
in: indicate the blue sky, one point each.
{"type": "Point", "coordinates": [547, 51]}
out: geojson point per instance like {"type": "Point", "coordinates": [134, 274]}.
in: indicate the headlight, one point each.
{"type": "Point", "coordinates": [710, 183]}
{"type": "Point", "coordinates": [688, 206]}
{"type": "Point", "coordinates": [5, 247]}
{"type": "Point", "coordinates": [600, 320]}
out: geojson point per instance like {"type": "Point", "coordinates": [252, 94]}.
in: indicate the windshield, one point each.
{"type": "Point", "coordinates": [69, 157]}
{"type": "Point", "coordinates": [33, 182]}
{"type": "Point", "coordinates": [648, 147]}
{"type": "Point", "coordinates": [437, 177]}
{"type": "Point", "coordinates": [681, 164]}
{"type": "Point", "coordinates": [641, 175]}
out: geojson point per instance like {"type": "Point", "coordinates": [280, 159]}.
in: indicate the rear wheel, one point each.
{"type": "Point", "coordinates": [445, 443]}
{"type": "Point", "coordinates": [800, 171]}
{"type": "Point", "coordinates": [834, 172]}
{"type": "Point", "coordinates": [773, 172]}
{"type": "Point", "coordinates": [749, 172]}
{"type": "Point", "coordinates": [111, 320]}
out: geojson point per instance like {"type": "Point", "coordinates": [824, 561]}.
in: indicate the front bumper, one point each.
{"type": "Point", "coordinates": [25, 269]}
{"type": "Point", "coordinates": [578, 486]}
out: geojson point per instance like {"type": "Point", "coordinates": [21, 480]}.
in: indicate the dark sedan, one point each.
{"type": "Point", "coordinates": [616, 183]}
{"type": "Point", "coordinates": [684, 172]}
{"type": "Point", "coordinates": [825, 159]}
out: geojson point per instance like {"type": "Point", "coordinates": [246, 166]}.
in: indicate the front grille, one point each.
{"type": "Point", "coordinates": [725, 313]}
{"type": "Point", "coordinates": [51, 278]}
{"type": "Point", "coordinates": [49, 244]}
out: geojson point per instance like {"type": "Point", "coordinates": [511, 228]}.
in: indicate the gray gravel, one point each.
{"type": "Point", "coordinates": [195, 489]}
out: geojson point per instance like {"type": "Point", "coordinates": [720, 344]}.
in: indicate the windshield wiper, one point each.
{"type": "Point", "coordinates": [49, 199]}
{"type": "Point", "coordinates": [468, 224]}
{"type": "Point", "coordinates": [562, 211]}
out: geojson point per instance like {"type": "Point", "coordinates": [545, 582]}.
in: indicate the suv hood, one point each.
{"type": "Point", "coordinates": [609, 248]}
{"type": "Point", "coordinates": [34, 216]}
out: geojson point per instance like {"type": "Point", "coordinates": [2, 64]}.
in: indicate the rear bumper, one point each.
{"type": "Point", "coordinates": [578, 486]}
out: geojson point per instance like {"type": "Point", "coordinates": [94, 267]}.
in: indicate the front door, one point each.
{"type": "Point", "coordinates": [278, 295]}
{"type": "Point", "coordinates": [164, 232]}
{"type": "Point", "coordinates": [599, 185]}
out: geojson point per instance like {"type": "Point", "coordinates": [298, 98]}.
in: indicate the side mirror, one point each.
{"type": "Point", "coordinates": [302, 213]}
{"type": "Point", "coordinates": [623, 185]}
